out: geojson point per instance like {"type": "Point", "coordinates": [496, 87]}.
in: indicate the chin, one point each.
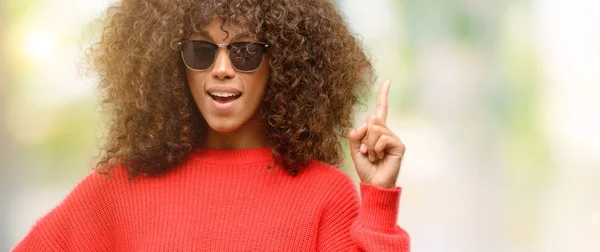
{"type": "Point", "coordinates": [220, 125]}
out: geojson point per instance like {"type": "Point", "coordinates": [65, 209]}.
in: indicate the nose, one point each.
{"type": "Point", "coordinates": [222, 68]}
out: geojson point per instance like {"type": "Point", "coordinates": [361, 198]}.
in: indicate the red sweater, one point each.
{"type": "Point", "coordinates": [222, 200]}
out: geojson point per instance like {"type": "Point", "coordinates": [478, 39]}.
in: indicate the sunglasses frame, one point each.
{"type": "Point", "coordinates": [265, 47]}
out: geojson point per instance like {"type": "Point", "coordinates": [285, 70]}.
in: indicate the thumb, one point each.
{"type": "Point", "coordinates": [355, 138]}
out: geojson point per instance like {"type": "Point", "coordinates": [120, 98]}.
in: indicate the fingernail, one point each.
{"type": "Point", "coordinates": [363, 125]}
{"type": "Point", "coordinates": [363, 148]}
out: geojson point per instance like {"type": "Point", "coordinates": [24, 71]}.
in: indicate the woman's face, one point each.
{"type": "Point", "coordinates": [223, 115]}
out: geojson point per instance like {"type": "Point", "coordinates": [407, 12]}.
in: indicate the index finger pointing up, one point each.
{"type": "Point", "coordinates": [382, 100]}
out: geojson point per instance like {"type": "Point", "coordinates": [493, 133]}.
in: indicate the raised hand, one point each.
{"type": "Point", "coordinates": [376, 151]}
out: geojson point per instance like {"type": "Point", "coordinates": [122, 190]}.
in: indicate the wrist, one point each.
{"type": "Point", "coordinates": [386, 186]}
{"type": "Point", "coordinates": [379, 207]}
{"type": "Point", "coordinates": [383, 184]}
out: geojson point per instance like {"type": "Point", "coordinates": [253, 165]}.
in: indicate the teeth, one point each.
{"type": "Point", "coordinates": [219, 94]}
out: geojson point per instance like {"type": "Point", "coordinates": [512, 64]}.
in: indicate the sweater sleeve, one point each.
{"type": "Point", "coordinates": [77, 223]}
{"type": "Point", "coordinates": [348, 225]}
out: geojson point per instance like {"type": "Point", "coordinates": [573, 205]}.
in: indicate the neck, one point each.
{"type": "Point", "coordinates": [252, 134]}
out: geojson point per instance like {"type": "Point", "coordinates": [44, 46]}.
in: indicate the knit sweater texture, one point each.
{"type": "Point", "coordinates": [222, 200]}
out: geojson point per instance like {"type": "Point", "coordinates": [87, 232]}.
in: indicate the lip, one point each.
{"type": "Point", "coordinates": [223, 89]}
{"type": "Point", "coordinates": [219, 106]}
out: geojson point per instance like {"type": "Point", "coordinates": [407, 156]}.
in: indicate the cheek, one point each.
{"type": "Point", "coordinates": [194, 77]}
{"type": "Point", "coordinates": [261, 78]}
{"type": "Point", "coordinates": [259, 89]}
{"type": "Point", "coordinates": [195, 82]}
{"type": "Point", "coordinates": [255, 97]}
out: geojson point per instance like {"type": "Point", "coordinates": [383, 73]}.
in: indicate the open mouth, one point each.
{"type": "Point", "coordinates": [222, 99]}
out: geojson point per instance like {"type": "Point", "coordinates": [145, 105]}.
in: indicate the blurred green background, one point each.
{"type": "Point", "coordinates": [497, 102]}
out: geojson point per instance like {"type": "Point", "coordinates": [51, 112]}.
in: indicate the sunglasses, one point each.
{"type": "Point", "coordinates": [200, 55]}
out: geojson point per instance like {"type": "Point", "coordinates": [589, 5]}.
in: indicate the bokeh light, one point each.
{"type": "Point", "coordinates": [39, 45]}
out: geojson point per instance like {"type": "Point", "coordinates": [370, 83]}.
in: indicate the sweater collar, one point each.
{"type": "Point", "coordinates": [232, 156]}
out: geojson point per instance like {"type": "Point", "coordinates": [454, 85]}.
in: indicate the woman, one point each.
{"type": "Point", "coordinates": [225, 130]}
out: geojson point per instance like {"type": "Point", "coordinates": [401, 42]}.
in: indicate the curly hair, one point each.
{"type": "Point", "coordinates": [319, 72]}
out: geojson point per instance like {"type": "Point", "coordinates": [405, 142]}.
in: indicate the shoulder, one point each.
{"type": "Point", "coordinates": [97, 183]}
{"type": "Point", "coordinates": [88, 206]}
{"type": "Point", "coordinates": [326, 171]}
{"type": "Point", "coordinates": [92, 192]}
{"type": "Point", "coordinates": [332, 180]}
{"type": "Point", "coordinates": [340, 197]}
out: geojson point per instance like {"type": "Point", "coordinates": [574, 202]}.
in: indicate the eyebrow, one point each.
{"type": "Point", "coordinates": [236, 37]}
{"type": "Point", "coordinates": [246, 35]}
{"type": "Point", "coordinates": [203, 33]}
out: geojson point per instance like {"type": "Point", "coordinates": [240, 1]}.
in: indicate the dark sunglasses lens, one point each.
{"type": "Point", "coordinates": [199, 55]}
{"type": "Point", "coordinates": [246, 56]}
